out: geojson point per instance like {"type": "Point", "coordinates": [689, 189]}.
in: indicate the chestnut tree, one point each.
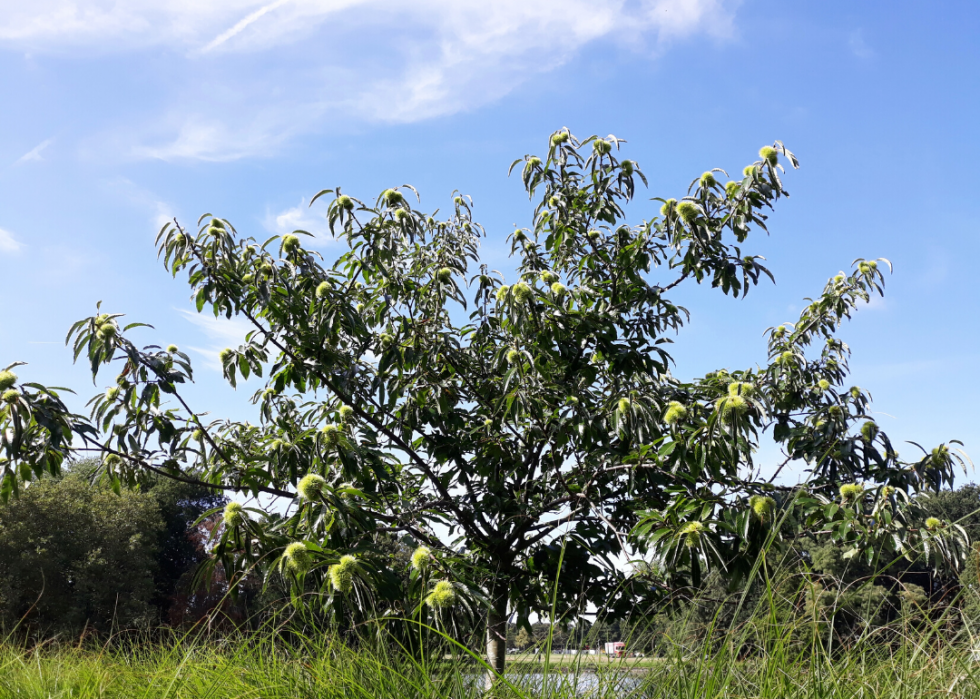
{"type": "Point", "coordinates": [527, 436]}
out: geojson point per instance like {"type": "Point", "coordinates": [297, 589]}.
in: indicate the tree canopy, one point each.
{"type": "Point", "coordinates": [525, 435]}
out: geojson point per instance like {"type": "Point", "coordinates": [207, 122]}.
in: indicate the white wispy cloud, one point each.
{"type": "Point", "coordinates": [242, 24]}
{"type": "Point", "coordinates": [158, 211]}
{"type": "Point", "coordinates": [34, 154]}
{"type": "Point", "coordinates": [304, 218]}
{"type": "Point", "coordinates": [219, 332]}
{"type": "Point", "coordinates": [336, 61]}
{"type": "Point", "coordinates": [8, 243]}
{"type": "Point", "coordinates": [200, 137]}
{"type": "Point", "coordinates": [858, 45]}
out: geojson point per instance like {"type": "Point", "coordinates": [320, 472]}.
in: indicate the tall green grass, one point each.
{"type": "Point", "coordinates": [772, 647]}
{"type": "Point", "coordinates": [920, 661]}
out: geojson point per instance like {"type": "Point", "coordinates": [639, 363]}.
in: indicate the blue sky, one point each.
{"type": "Point", "coordinates": [118, 116]}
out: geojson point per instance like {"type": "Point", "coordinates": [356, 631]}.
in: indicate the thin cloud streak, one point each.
{"type": "Point", "coordinates": [8, 243]}
{"type": "Point", "coordinates": [301, 217]}
{"type": "Point", "coordinates": [237, 29]}
{"type": "Point", "coordinates": [221, 333]}
{"type": "Point", "coordinates": [35, 153]}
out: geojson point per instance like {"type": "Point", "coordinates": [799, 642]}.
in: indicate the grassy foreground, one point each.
{"type": "Point", "coordinates": [262, 668]}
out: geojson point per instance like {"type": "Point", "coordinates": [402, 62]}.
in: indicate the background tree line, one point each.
{"type": "Point", "coordinates": [77, 557]}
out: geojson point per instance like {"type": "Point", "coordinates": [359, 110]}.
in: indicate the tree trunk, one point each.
{"type": "Point", "coordinates": [497, 632]}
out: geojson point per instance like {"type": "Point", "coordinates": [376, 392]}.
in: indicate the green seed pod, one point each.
{"type": "Point", "coordinates": [197, 435]}
{"type": "Point", "coordinates": [749, 171]}
{"type": "Point", "coordinates": [172, 349]}
{"type": "Point", "coordinates": [549, 278]}
{"type": "Point", "coordinates": [522, 292]}
{"type": "Point", "coordinates": [322, 290]}
{"type": "Point", "coordinates": [872, 264]}
{"type": "Point", "coordinates": [869, 431]}
{"type": "Point", "coordinates": [692, 533]}
{"type": "Point", "coordinates": [393, 197]}
{"type": "Point", "coordinates": [786, 358]}
{"type": "Point", "coordinates": [218, 223]}
{"type": "Point", "coordinates": [824, 384]}
{"type": "Point", "coordinates": [887, 491]}
{"type": "Point", "coordinates": [297, 558]}
{"type": "Point", "coordinates": [559, 138]}
{"type": "Point", "coordinates": [627, 167]}
{"type": "Point", "coordinates": [738, 388]}
{"type": "Point", "coordinates": [623, 405]}
{"type": "Point", "coordinates": [851, 491]}
{"type": "Point", "coordinates": [401, 216]}
{"type": "Point", "coordinates": [601, 146]}
{"type": "Point", "coordinates": [290, 243]}
{"type": "Point", "coordinates": [688, 211]}
{"type": "Point", "coordinates": [513, 356]}
{"type": "Point", "coordinates": [855, 392]}
{"type": "Point", "coordinates": [10, 395]}
{"type": "Point", "coordinates": [386, 339]}
{"type": "Point", "coordinates": [107, 331]}
{"type": "Point", "coordinates": [933, 523]}
{"type": "Point", "coordinates": [345, 202]}
{"type": "Point", "coordinates": [112, 462]}
{"type": "Point", "coordinates": [864, 268]}
{"type": "Point", "coordinates": [731, 189]}
{"type": "Point", "coordinates": [668, 207]}
{"type": "Point", "coordinates": [769, 154]}
{"type": "Point", "coordinates": [248, 278]}
{"type": "Point", "coordinates": [342, 574]}
{"type": "Point", "coordinates": [707, 179]}
{"type": "Point", "coordinates": [676, 412]}
{"type": "Point", "coordinates": [267, 269]}
{"type": "Point", "coordinates": [594, 235]}
{"type": "Point", "coordinates": [533, 162]}
{"type": "Point", "coordinates": [520, 236]}
{"type": "Point", "coordinates": [762, 506]}
{"type": "Point", "coordinates": [502, 292]}
{"type": "Point", "coordinates": [554, 202]}
{"type": "Point", "coordinates": [311, 486]}
{"type": "Point", "coordinates": [180, 238]}
{"type": "Point", "coordinates": [111, 393]}
{"type": "Point", "coordinates": [7, 379]}
{"type": "Point", "coordinates": [233, 515]}
{"type": "Point", "coordinates": [572, 400]}
{"type": "Point", "coordinates": [346, 413]}
{"type": "Point", "coordinates": [839, 279]}
{"type": "Point", "coordinates": [331, 435]}
{"type": "Point", "coordinates": [732, 406]}
{"type": "Point", "coordinates": [421, 557]}
{"type": "Point", "coordinates": [225, 355]}
{"type": "Point", "coordinates": [834, 411]}
{"type": "Point", "coordinates": [443, 595]}
{"type": "Point", "coordinates": [558, 289]}
{"type": "Point", "coordinates": [444, 274]}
